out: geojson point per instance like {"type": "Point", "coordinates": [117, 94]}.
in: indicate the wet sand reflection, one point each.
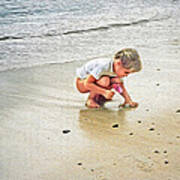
{"type": "Point", "coordinates": [103, 123]}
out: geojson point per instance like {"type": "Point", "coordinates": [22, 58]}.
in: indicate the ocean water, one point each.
{"type": "Point", "coordinates": [34, 33]}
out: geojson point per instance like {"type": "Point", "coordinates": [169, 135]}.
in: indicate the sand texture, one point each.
{"type": "Point", "coordinates": [47, 133]}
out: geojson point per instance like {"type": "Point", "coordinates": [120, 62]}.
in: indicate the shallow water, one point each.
{"type": "Point", "coordinates": [36, 33]}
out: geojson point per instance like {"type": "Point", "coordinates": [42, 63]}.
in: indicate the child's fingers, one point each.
{"type": "Point", "coordinates": [129, 105]}
{"type": "Point", "coordinates": [134, 104]}
{"type": "Point", "coordinates": [124, 105]}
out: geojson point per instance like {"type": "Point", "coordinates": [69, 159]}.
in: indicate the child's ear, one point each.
{"type": "Point", "coordinates": [119, 62]}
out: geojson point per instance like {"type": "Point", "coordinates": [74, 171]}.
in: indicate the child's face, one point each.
{"type": "Point", "coordinates": [120, 70]}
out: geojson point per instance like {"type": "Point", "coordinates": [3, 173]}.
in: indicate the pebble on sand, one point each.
{"type": "Point", "coordinates": [178, 111]}
{"type": "Point", "coordinates": [66, 131]}
{"type": "Point", "coordinates": [151, 129]}
{"type": "Point", "coordinates": [131, 134]}
{"type": "Point", "coordinates": [115, 125]}
{"type": "Point", "coordinates": [79, 164]}
{"type": "Point", "coordinates": [139, 122]}
{"type": "Point", "coordinates": [166, 162]}
{"type": "Point", "coordinates": [156, 151]}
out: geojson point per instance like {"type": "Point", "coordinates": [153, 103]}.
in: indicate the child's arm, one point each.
{"type": "Point", "coordinates": [127, 98]}
{"type": "Point", "coordinates": [91, 86]}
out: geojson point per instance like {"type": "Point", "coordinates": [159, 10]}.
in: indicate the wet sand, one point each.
{"type": "Point", "coordinates": [47, 133]}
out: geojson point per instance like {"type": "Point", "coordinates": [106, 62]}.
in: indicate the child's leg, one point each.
{"type": "Point", "coordinates": [97, 100]}
{"type": "Point", "coordinates": [82, 89]}
{"type": "Point", "coordinates": [105, 83]}
{"type": "Point", "coordinates": [80, 85]}
{"type": "Point", "coordinates": [116, 80]}
{"type": "Point", "coordinates": [102, 82]}
{"type": "Point", "coordinates": [91, 101]}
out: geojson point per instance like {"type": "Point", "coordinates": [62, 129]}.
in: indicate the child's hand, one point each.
{"type": "Point", "coordinates": [109, 94]}
{"type": "Point", "coordinates": [133, 104]}
{"type": "Point", "coordinates": [129, 104]}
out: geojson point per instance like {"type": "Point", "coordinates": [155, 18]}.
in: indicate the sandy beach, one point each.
{"type": "Point", "coordinates": [48, 134]}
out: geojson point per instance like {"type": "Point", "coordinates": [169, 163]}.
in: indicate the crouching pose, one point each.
{"type": "Point", "coordinates": [99, 76]}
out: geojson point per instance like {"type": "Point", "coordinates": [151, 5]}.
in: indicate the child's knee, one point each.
{"type": "Point", "coordinates": [80, 86]}
{"type": "Point", "coordinates": [104, 81]}
{"type": "Point", "coordinates": [116, 80]}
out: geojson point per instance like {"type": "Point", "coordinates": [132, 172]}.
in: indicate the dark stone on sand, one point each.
{"type": "Point", "coordinates": [178, 137]}
{"type": "Point", "coordinates": [166, 162]}
{"type": "Point", "coordinates": [147, 110]}
{"type": "Point", "coordinates": [79, 164]}
{"type": "Point", "coordinates": [178, 111]}
{"type": "Point", "coordinates": [158, 69]}
{"type": "Point", "coordinates": [92, 170]}
{"type": "Point", "coordinates": [66, 131]}
{"type": "Point", "coordinates": [165, 152]}
{"type": "Point", "coordinates": [131, 134]}
{"type": "Point", "coordinates": [156, 151]}
{"type": "Point", "coordinates": [115, 126]}
{"type": "Point", "coordinates": [157, 84]}
{"type": "Point", "coordinates": [139, 122]}
{"type": "Point", "coordinates": [151, 129]}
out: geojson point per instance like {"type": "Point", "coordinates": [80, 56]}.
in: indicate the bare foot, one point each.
{"type": "Point", "coordinates": [92, 104]}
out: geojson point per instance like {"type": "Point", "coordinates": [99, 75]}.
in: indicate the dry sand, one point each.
{"type": "Point", "coordinates": [47, 133]}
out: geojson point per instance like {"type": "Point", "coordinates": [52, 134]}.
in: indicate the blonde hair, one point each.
{"type": "Point", "coordinates": [130, 59]}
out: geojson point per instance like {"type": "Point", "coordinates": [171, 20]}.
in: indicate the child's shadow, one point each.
{"type": "Point", "coordinates": [102, 122]}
